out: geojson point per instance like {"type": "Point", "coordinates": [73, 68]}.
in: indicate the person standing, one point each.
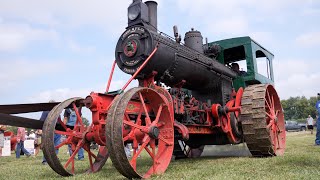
{"type": "Point", "coordinates": [70, 119]}
{"type": "Point", "coordinates": [32, 135]}
{"type": "Point", "coordinates": [37, 142]}
{"type": "Point", "coordinates": [310, 124]}
{"type": "Point", "coordinates": [317, 141]}
{"type": "Point", "coordinates": [57, 137]}
{"type": "Point", "coordinates": [2, 129]}
{"type": "Point", "coordinates": [21, 134]}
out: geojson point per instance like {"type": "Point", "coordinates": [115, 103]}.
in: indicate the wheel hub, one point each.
{"type": "Point", "coordinates": [154, 132]}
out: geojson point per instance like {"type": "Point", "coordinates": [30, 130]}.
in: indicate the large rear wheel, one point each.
{"type": "Point", "coordinates": [263, 121]}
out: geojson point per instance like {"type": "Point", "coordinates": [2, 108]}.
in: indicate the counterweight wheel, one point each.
{"type": "Point", "coordinates": [140, 117]}
{"type": "Point", "coordinates": [263, 121]}
{"type": "Point", "coordinates": [63, 157]}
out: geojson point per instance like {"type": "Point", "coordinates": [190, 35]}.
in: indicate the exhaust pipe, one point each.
{"type": "Point", "coordinates": [152, 9]}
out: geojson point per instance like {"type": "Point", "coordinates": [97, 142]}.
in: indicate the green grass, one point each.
{"type": "Point", "coordinates": [301, 161]}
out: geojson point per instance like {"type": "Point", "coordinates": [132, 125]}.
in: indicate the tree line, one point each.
{"type": "Point", "coordinates": [298, 108]}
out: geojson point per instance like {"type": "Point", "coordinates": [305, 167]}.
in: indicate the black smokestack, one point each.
{"type": "Point", "coordinates": [152, 6]}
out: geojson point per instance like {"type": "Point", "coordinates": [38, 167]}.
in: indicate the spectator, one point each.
{"type": "Point", "coordinates": [127, 150]}
{"type": "Point", "coordinates": [310, 124]}
{"type": "Point", "coordinates": [57, 137]}
{"type": "Point", "coordinates": [37, 142]}
{"type": "Point", "coordinates": [317, 141]}
{"type": "Point", "coordinates": [70, 119]}
{"type": "Point", "coordinates": [32, 135]}
{"type": "Point", "coordinates": [21, 135]}
{"type": "Point", "coordinates": [2, 129]}
{"type": "Point", "coordinates": [26, 134]}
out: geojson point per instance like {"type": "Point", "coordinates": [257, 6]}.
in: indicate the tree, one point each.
{"type": "Point", "coordinates": [12, 129]}
{"type": "Point", "coordinates": [299, 107]}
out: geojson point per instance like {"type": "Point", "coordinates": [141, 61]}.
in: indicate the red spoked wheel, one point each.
{"type": "Point", "coordinates": [275, 121]}
{"type": "Point", "coordinates": [141, 117]}
{"type": "Point", "coordinates": [262, 121]}
{"type": "Point", "coordinates": [62, 157]}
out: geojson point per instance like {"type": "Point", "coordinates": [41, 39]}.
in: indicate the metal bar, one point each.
{"type": "Point", "coordinates": [110, 77]}
{"type": "Point", "coordinates": [234, 109]}
{"type": "Point", "coordinates": [7, 119]}
{"type": "Point", "coordinates": [140, 68]}
{"type": "Point", "coordinates": [26, 108]}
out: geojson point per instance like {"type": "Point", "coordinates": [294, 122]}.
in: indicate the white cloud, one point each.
{"type": "Point", "coordinates": [309, 39]}
{"type": "Point", "coordinates": [227, 25]}
{"type": "Point", "coordinates": [13, 72]}
{"type": "Point", "coordinates": [75, 47]}
{"type": "Point", "coordinates": [262, 37]}
{"type": "Point", "coordinates": [295, 77]}
{"type": "Point", "coordinates": [16, 36]}
{"type": "Point", "coordinates": [67, 13]}
{"type": "Point", "coordinates": [62, 94]}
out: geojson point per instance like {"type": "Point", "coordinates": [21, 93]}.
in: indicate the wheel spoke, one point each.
{"type": "Point", "coordinates": [90, 156]}
{"type": "Point", "coordinates": [79, 145]}
{"type": "Point", "coordinates": [65, 142]}
{"type": "Point", "coordinates": [275, 138]}
{"type": "Point", "coordinates": [270, 116]}
{"type": "Point", "coordinates": [268, 104]}
{"type": "Point", "coordinates": [270, 123]}
{"type": "Point", "coordinates": [278, 139]}
{"type": "Point", "coordinates": [62, 124]}
{"type": "Point", "coordinates": [138, 121]}
{"type": "Point", "coordinates": [153, 146]}
{"type": "Point", "coordinates": [64, 133]}
{"type": "Point", "coordinates": [268, 95]}
{"type": "Point", "coordinates": [72, 167]}
{"type": "Point", "coordinates": [89, 152]}
{"type": "Point", "coordinates": [135, 155]}
{"type": "Point", "coordinates": [272, 102]}
{"type": "Point", "coordinates": [149, 152]}
{"type": "Point", "coordinates": [128, 136]}
{"type": "Point", "coordinates": [79, 119]}
{"type": "Point", "coordinates": [142, 128]}
{"type": "Point", "coordinates": [155, 122]}
{"type": "Point", "coordinates": [147, 119]}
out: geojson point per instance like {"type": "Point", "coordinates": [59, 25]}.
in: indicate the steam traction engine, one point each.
{"type": "Point", "coordinates": [188, 97]}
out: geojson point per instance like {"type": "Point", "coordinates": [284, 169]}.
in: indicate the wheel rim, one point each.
{"type": "Point", "coordinates": [148, 126]}
{"type": "Point", "coordinates": [63, 163]}
{"type": "Point", "coordinates": [275, 121]}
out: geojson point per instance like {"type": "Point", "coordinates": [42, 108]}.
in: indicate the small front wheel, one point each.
{"type": "Point", "coordinates": [64, 146]}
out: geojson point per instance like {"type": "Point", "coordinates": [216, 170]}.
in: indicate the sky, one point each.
{"type": "Point", "coordinates": [61, 49]}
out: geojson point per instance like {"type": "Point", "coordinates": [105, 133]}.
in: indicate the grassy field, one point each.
{"type": "Point", "coordinates": [301, 161]}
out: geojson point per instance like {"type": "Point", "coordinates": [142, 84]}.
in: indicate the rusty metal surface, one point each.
{"type": "Point", "coordinates": [26, 108]}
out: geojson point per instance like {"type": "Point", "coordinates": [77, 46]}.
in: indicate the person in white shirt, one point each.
{"type": "Point", "coordinates": [32, 135]}
{"type": "Point", "coordinates": [310, 124]}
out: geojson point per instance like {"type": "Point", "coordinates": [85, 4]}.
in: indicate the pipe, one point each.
{"type": "Point", "coordinates": [152, 9]}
